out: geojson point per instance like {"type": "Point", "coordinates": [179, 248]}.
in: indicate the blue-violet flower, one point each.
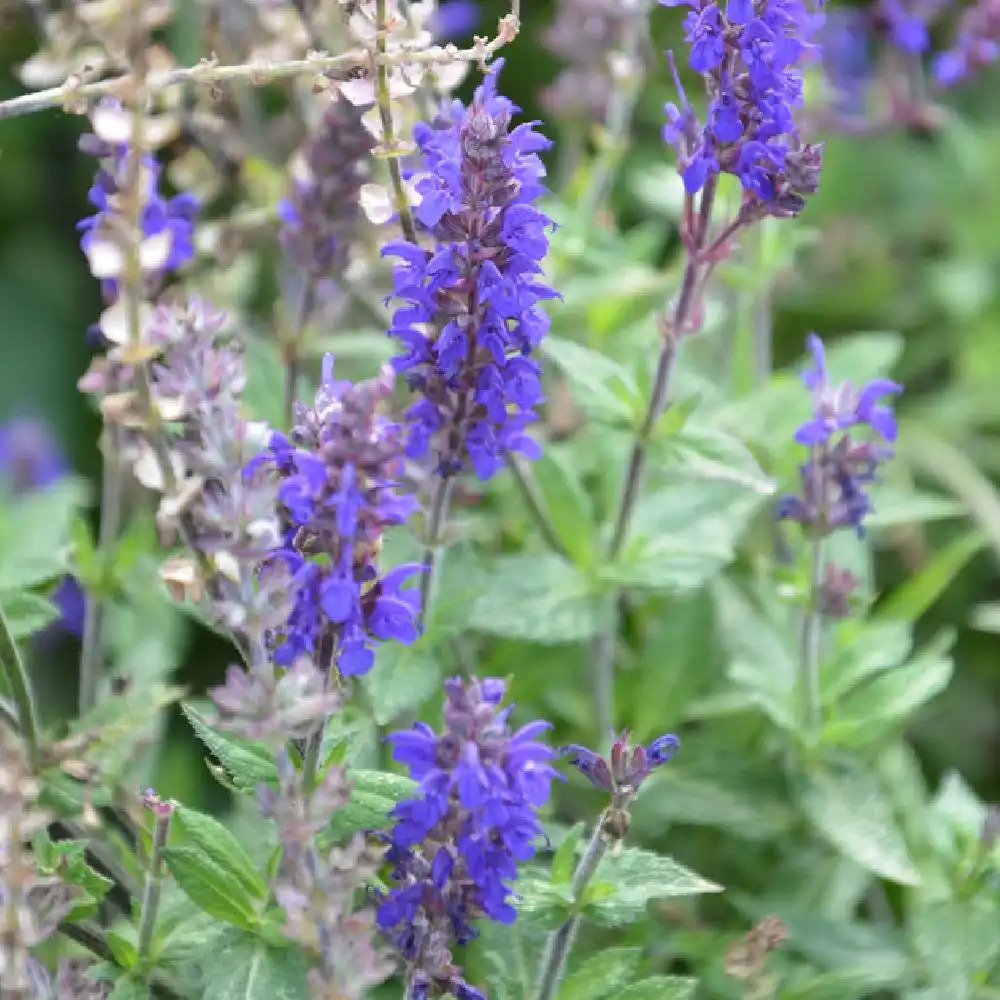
{"type": "Point", "coordinates": [833, 479]}
{"type": "Point", "coordinates": [455, 848]}
{"type": "Point", "coordinates": [338, 473]}
{"type": "Point", "coordinates": [471, 314]}
{"type": "Point", "coordinates": [749, 56]}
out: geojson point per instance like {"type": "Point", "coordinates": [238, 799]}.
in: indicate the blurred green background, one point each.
{"type": "Point", "coordinates": [905, 236]}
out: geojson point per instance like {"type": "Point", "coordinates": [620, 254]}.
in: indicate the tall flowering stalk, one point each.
{"type": "Point", "coordinates": [833, 493]}
{"type": "Point", "coordinates": [455, 849]}
{"type": "Point", "coordinates": [748, 57]}
{"type": "Point", "coordinates": [471, 314]}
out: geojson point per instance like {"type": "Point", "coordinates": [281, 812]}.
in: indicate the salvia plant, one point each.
{"type": "Point", "coordinates": [512, 616]}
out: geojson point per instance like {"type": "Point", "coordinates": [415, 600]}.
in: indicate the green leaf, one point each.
{"type": "Point", "coordinates": [604, 388]}
{"type": "Point", "coordinates": [539, 598]}
{"type": "Point", "coordinates": [213, 839]}
{"type": "Point", "coordinates": [27, 613]}
{"type": "Point", "coordinates": [246, 763]}
{"type": "Point", "coordinates": [701, 451]}
{"type": "Point", "coordinates": [915, 595]}
{"type": "Point", "coordinates": [600, 975]}
{"type": "Point", "coordinates": [637, 876]}
{"type": "Point", "coordinates": [35, 534]}
{"type": "Point", "coordinates": [373, 795]}
{"type": "Point", "coordinates": [567, 505]}
{"type": "Point", "coordinates": [893, 507]}
{"type": "Point", "coordinates": [123, 947]}
{"type": "Point", "coordinates": [403, 678]}
{"type": "Point", "coordinates": [893, 696]}
{"type": "Point", "coordinates": [564, 859]}
{"type": "Point", "coordinates": [130, 987]}
{"type": "Point", "coordinates": [659, 988]}
{"type": "Point", "coordinates": [243, 967]}
{"type": "Point", "coordinates": [849, 809]}
{"type": "Point", "coordinates": [868, 648]}
{"type": "Point", "coordinates": [211, 887]}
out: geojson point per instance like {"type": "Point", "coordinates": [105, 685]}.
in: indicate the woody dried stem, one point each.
{"type": "Point", "coordinates": [74, 91]}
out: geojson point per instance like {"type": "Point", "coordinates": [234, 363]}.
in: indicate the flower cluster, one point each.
{"type": "Point", "coordinates": [840, 464]}
{"type": "Point", "coordinates": [627, 767]}
{"type": "Point", "coordinates": [749, 56]}
{"type": "Point", "coordinates": [165, 239]}
{"type": "Point", "coordinates": [195, 459]}
{"type": "Point", "coordinates": [337, 476]}
{"type": "Point", "coordinates": [316, 887]}
{"type": "Point", "coordinates": [30, 459]}
{"type": "Point", "coordinates": [471, 315]}
{"type": "Point", "coordinates": [588, 36]}
{"type": "Point", "coordinates": [321, 214]}
{"type": "Point", "coordinates": [456, 848]}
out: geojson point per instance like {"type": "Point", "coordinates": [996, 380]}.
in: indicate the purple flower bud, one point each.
{"type": "Point", "coordinates": [625, 769]}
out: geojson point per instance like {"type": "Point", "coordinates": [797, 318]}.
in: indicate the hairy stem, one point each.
{"type": "Point", "coordinates": [16, 675]}
{"type": "Point", "coordinates": [440, 505]}
{"type": "Point", "coordinates": [92, 650]}
{"type": "Point", "coordinates": [673, 328]}
{"type": "Point", "coordinates": [154, 881]}
{"type": "Point", "coordinates": [812, 628]}
{"type": "Point", "coordinates": [560, 941]}
{"type": "Point", "coordinates": [293, 349]}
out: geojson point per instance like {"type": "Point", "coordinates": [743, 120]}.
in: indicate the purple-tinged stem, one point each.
{"type": "Point", "coordinates": [293, 349]}
{"type": "Point", "coordinates": [435, 527]}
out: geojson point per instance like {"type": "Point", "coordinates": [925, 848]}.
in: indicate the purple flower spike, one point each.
{"type": "Point", "coordinates": [455, 848]}
{"type": "Point", "coordinates": [833, 481]}
{"type": "Point", "coordinates": [470, 314]}
{"type": "Point", "coordinates": [751, 58]}
{"type": "Point", "coordinates": [338, 478]}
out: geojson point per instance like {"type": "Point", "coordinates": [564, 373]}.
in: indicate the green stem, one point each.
{"type": "Point", "coordinates": [560, 941]}
{"type": "Point", "coordinates": [531, 501]}
{"type": "Point", "coordinates": [154, 880]}
{"type": "Point", "coordinates": [388, 129]}
{"type": "Point", "coordinates": [16, 675]}
{"type": "Point", "coordinates": [812, 627]}
{"type": "Point", "coordinates": [435, 528]}
{"type": "Point", "coordinates": [92, 653]}
{"type": "Point", "coordinates": [293, 349]}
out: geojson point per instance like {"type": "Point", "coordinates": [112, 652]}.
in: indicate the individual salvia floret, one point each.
{"type": "Point", "coordinates": [338, 473]}
{"type": "Point", "coordinates": [166, 237]}
{"type": "Point", "coordinates": [750, 57]}
{"type": "Point", "coordinates": [455, 849]}
{"type": "Point", "coordinates": [471, 315]}
{"type": "Point", "coordinates": [841, 463]}
{"type": "Point", "coordinates": [321, 214]}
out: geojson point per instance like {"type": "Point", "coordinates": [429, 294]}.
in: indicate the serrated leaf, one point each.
{"type": "Point", "coordinates": [659, 988]}
{"type": "Point", "coordinates": [247, 763]}
{"type": "Point", "coordinates": [564, 859]}
{"type": "Point", "coordinates": [849, 809]}
{"type": "Point", "coordinates": [539, 598]}
{"type": "Point", "coordinates": [638, 876]}
{"type": "Point", "coordinates": [868, 648]}
{"type": "Point", "coordinates": [700, 451]}
{"type": "Point", "coordinates": [213, 839]}
{"type": "Point", "coordinates": [402, 679]}
{"type": "Point", "coordinates": [892, 697]}
{"type": "Point", "coordinates": [600, 975]}
{"type": "Point", "coordinates": [604, 388]}
{"type": "Point", "coordinates": [35, 534]}
{"type": "Point", "coordinates": [210, 887]}
{"type": "Point", "coordinates": [373, 795]}
{"type": "Point", "coordinates": [27, 613]}
{"type": "Point", "coordinates": [243, 967]}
